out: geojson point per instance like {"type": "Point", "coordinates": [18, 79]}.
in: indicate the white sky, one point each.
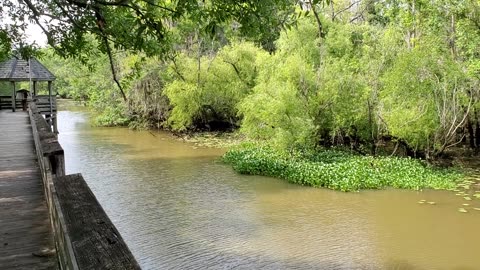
{"type": "Point", "coordinates": [35, 33]}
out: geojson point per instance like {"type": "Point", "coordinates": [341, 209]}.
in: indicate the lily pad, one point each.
{"type": "Point", "coordinates": [462, 210]}
{"type": "Point", "coordinates": [432, 203]}
{"type": "Point", "coordinates": [475, 208]}
{"type": "Point", "coordinates": [466, 204]}
{"type": "Point", "coordinates": [421, 202]}
{"type": "Point", "coordinates": [467, 198]}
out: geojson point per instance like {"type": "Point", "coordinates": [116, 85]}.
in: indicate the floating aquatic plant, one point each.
{"type": "Point", "coordinates": [339, 170]}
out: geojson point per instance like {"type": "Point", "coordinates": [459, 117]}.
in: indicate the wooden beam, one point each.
{"type": "Point", "coordinates": [55, 126]}
{"type": "Point", "coordinates": [34, 89]}
{"type": "Point", "coordinates": [85, 238]}
{"type": "Point", "coordinates": [13, 96]}
{"type": "Point", "coordinates": [50, 96]}
{"type": "Point", "coordinates": [52, 114]}
{"type": "Point", "coordinates": [94, 239]}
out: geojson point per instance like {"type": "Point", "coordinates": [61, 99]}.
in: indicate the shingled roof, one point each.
{"type": "Point", "coordinates": [16, 69]}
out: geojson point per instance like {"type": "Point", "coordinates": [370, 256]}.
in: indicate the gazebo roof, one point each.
{"type": "Point", "coordinates": [16, 69]}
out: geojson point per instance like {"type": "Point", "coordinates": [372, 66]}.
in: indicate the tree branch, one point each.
{"type": "Point", "coordinates": [112, 67]}
{"type": "Point", "coordinates": [317, 18]}
{"type": "Point", "coordinates": [175, 68]}
{"type": "Point", "coordinates": [110, 58]}
{"type": "Point", "coordinates": [345, 9]}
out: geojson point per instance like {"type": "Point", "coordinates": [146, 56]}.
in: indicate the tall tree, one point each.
{"type": "Point", "coordinates": [139, 25]}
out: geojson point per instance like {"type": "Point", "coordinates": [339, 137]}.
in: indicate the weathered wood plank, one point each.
{"type": "Point", "coordinates": [84, 236]}
{"type": "Point", "coordinates": [24, 223]}
{"type": "Point", "coordinates": [95, 241]}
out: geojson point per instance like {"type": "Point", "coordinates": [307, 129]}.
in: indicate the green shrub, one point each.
{"type": "Point", "coordinates": [208, 89]}
{"type": "Point", "coordinates": [278, 108]}
{"type": "Point", "coordinates": [112, 116]}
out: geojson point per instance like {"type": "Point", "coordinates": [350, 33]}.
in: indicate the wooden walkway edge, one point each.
{"type": "Point", "coordinates": [24, 220]}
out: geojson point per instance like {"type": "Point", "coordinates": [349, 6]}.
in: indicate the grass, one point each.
{"type": "Point", "coordinates": [339, 170]}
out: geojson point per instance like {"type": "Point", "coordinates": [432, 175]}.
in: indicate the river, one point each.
{"type": "Point", "coordinates": [178, 207]}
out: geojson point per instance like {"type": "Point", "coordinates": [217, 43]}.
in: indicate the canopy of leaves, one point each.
{"type": "Point", "coordinates": [138, 25]}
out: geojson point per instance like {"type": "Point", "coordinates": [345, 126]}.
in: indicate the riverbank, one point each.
{"type": "Point", "coordinates": [331, 169]}
{"type": "Point", "coordinates": [339, 170]}
{"type": "Point", "coordinates": [212, 139]}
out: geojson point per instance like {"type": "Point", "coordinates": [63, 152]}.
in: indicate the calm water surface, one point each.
{"type": "Point", "coordinates": [178, 207]}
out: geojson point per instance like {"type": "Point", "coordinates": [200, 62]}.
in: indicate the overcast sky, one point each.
{"type": "Point", "coordinates": [34, 33]}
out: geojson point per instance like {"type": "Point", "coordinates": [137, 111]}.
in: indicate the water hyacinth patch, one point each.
{"type": "Point", "coordinates": [339, 170]}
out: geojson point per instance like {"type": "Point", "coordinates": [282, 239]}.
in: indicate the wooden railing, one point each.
{"type": "Point", "coordinates": [42, 102]}
{"type": "Point", "coordinates": [6, 102]}
{"type": "Point", "coordinates": [84, 236]}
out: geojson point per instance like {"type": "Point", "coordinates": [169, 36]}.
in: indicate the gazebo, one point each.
{"type": "Point", "coordinates": [15, 70]}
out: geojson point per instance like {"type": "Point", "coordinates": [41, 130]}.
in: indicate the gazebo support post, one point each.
{"type": "Point", "coordinates": [53, 118]}
{"type": "Point", "coordinates": [14, 94]}
{"type": "Point", "coordinates": [34, 94]}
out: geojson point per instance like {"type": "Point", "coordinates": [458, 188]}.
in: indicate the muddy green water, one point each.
{"type": "Point", "coordinates": [178, 207]}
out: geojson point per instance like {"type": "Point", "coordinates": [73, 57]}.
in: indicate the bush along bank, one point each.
{"type": "Point", "coordinates": [339, 170]}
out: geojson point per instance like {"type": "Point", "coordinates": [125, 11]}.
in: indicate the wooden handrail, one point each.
{"type": "Point", "coordinates": [84, 236]}
{"type": "Point", "coordinates": [96, 242]}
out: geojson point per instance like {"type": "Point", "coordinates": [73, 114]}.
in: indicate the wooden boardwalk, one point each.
{"type": "Point", "coordinates": [24, 221]}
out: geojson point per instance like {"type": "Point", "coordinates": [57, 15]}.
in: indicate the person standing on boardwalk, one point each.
{"type": "Point", "coordinates": [24, 100]}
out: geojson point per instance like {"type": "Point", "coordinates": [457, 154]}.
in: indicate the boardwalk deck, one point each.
{"type": "Point", "coordinates": [24, 222]}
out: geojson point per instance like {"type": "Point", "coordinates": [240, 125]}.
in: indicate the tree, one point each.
{"type": "Point", "coordinates": [426, 101]}
{"type": "Point", "coordinates": [136, 25]}
{"type": "Point", "coordinates": [281, 107]}
{"type": "Point", "coordinates": [206, 90]}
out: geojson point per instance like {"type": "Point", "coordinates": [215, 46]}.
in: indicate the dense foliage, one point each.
{"type": "Point", "coordinates": [380, 78]}
{"type": "Point", "coordinates": [396, 77]}
{"type": "Point", "coordinates": [206, 91]}
{"type": "Point", "coordinates": [339, 170]}
{"type": "Point", "coordinates": [148, 26]}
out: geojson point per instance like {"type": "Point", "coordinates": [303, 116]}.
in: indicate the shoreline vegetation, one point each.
{"type": "Point", "coordinates": [336, 168]}
{"type": "Point", "coordinates": [340, 170]}
{"type": "Point", "coordinates": [215, 139]}
{"type": "Point", "coordinates": [359, 87]}
{"type": "Point", "coordinates": [398, 89]}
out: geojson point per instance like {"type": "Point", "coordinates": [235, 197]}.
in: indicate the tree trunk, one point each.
{"type": "Point", "coordinates": [317, 18]}
{"type": "Point", "coordinates": [370, 122]}
{"type": "Point", "coordinates": [471, 134]}
{"type": "Point", "coordinates": [477, 134]}
{"type": "Point", "coordinates": [411, 152]}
